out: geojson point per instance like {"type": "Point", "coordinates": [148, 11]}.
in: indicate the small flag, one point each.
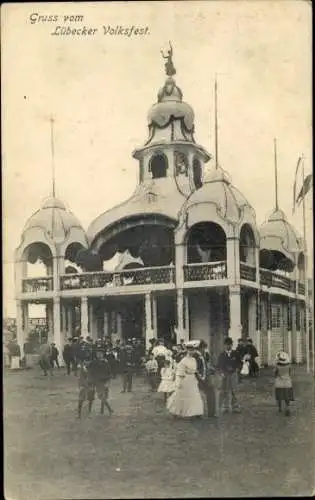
{"type": "Point", "coordinates": [304, 189]}
{"type": "Point", "coordinates": [294, 185]}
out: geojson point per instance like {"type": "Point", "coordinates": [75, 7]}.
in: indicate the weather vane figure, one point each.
{"type": "Point", "coordinates": [169, 66]}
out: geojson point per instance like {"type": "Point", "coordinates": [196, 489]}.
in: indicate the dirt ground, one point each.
{"type": "Point", "coordinates": [142, 452]}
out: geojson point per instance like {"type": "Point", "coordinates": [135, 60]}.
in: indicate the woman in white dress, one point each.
{"type": "Point", "coordinates": [186, 400]}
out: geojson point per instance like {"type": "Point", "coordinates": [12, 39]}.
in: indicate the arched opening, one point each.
{"type": "Point", "coordinates": [158, 166]}
{"type": "Point", "coordinates": [206, 243]}
{"type": "Point", "coordinates": [39, 260]}
{"type": "Point", "coordinates": [147, 245]}
{"type": "Point", "coordinates": [274, 260]}
{"type": "Point", "coordinates": [197, 173]}
{"type": "Point", "coordinates": [71, 258]}
{"type": "Point", "coordinates": [181, 163]}
{"type": "Point", "coordinates": [247, 245]}
{"type": "Point", "coordinates": [301, 267]}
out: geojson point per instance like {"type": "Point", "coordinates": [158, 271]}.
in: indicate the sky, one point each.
{"type": "Point", "coordinates": [100, 88]}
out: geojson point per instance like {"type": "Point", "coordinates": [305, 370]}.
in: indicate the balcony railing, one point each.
{"type": "Point", "coordinates": [273, 279]}
{"type": "Point", "coordinates": [142, 276]}
{"type": "Point", "coordinates": [248, 272]}
{"type": "Point", "coordinates": [301, 288]}
{"type": "Point", "coordinates": [205, 272]}
{"type": "Point", "coordinates": [30, 285]}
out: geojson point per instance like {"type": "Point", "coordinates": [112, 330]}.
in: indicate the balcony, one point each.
{"type": "Point", "coordinates": [31, 285]}
{"type": "Point", "coordinates": [301, 288]}
{"type": "Point", "coordinates": [142, 276]}
{"type": "Point", "coordinates": [273, 279]}
{"type": "Point", "coordinates": [205, 272]}
{"type": "Point", "coordinates": [247, 272]}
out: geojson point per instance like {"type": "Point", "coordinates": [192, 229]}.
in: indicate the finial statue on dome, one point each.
{"type": "Point", "coordinates": [169, 65]}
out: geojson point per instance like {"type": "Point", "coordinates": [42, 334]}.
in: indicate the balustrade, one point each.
{"type": "Point", "coordinates": [205, 272]}
{"type": "Point", "coordinates": [301, 288]}
{"type": "Point", "coordinates": [142, 276]}
{"type": "Point", "coordinates": [30, 285]}
{"type": "Point", "coordinates": [247, 272]}
{"type": "Point", "coordinates": [273, 279]}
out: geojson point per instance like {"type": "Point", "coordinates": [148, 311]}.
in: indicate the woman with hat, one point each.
{"type": "Point", "coordinates": [186, 400]}
{"type": "Point", "coordinates": [283, 381]}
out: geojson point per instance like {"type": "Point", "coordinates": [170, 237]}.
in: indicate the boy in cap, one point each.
{"type": "Point", "coordinates": [95, 377]}
{"type": "Point", "coordinates": [228, 365]}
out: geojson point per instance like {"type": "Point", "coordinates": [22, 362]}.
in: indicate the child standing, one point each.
{"type": "Point", "coordinates": [167, 384]}
{"type": "Point", "coordinates": [152, 367]}
{"type": "Point", "coordinates": [283, 381]}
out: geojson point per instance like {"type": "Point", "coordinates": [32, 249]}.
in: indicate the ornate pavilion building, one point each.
{"type": "Point", "coordinates": [190, 254]}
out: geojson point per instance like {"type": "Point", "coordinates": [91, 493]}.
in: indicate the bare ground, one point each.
{"type": "Point", "coordinates": [141, 452]}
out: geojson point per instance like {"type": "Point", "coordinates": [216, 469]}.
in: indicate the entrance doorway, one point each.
{"type": "Point", "coordinates": [132, 313]}
{"type": "Point", "coordinates": [166, 317]}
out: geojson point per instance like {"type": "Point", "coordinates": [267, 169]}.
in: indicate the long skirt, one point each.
{"type": "Point", "coordinates": [186, 400]}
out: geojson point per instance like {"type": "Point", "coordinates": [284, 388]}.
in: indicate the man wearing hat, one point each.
{"type": "Point", "coordinates": [229, 363]}
{"type": "Point", "coordinates": [127, 359]}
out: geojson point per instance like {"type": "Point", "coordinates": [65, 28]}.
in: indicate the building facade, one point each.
{"type": "Point", "coordinates": [191, 256]}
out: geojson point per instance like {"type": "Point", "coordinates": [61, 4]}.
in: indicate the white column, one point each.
{"type": "Point", "coordinates": [19, 274]}
{"type": "Point", "coordinates": [252, 310]}
{"type": "Point", "coordinates": [298, 335]}
{"type": "Point", "coordinates": [50, 322]}
{"type": "Point", "coordinates": [235, 313]}
{"type": "Point", "coordinates": [186, 315]}
{"type": "Point", "coordinates": [58, 340]}
{"type": "Point", "coordinates": [20, 334]}
{"type": "Point", "coordinates": [290, 344]}
{"type": "Point", "coordinates": [92, 326]}
{"type": "Point", "coordinates": [299, 353]}
{"type": "Point", "coordinates": [148, 317]}
{"type": "Point", "coordinates": [84, 316]}
{"type": "Point", "coordinates": [154, 315]}
{"type": "Point", "coordinates": [105, 331]}
{"type": "Point", "coordinates": [293, 336]}
{"type": "Point", "coordinates": [180, 319]}
{"type": "Point", "coordinates": [257, 249]}
{"type": "Point", "coordinates": [119, 327]}
{"type": "Point", "coordinates": [233, 260]}
{"type": "Point", "coordinates": [258, 327]}
{"type": "Point", "coordinates": [179, 263]}
{"type": "Point", "coordinates": [69, 313]}
{"type": "Point", "coordinates": [269, 340]}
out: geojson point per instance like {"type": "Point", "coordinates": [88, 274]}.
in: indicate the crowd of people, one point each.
{"type": "Point", "coordinates": [192, 384]}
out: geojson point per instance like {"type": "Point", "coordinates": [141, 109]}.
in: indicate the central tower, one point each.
{"type": "Point", "coordinates": [171, 157]}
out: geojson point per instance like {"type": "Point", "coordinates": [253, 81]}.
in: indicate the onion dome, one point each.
{"type": "Point", "coordinates": [171, 110]}
{"type": "Point", "coordinates": [279, 242]}
{"type": "Point", "coordinates": [229, 203]}
{"type": "Point", "coordinates": [54, 220]}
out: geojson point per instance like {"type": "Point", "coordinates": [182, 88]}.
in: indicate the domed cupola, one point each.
{"type": "Point", "coordinates": [279, 242]}
{"type": "Point", "coordinates": [53, 224]}
{"type": "Point", "coordinates": [170, 119]}
{"type": "Point", "coordinates": [219, 201]}
{"type": "Point", "coordinates": [170, 151]}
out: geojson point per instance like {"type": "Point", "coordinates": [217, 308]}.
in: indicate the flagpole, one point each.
{"type": "Point", "coordinates": [307, 334]}
{"type": "Point", "coordinates": [276, 173]}
{"type": "Point", "coordinates": [216, 122]}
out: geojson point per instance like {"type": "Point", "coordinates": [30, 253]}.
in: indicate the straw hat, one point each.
{"type": "Point", "coordinates": [192, 344]}
{"type": "Point", "coordinates": [282, 358]}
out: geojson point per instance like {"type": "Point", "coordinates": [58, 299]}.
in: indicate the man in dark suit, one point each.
{"type": "Point", "coordinates": [229, 363]}
{"type": "Point", "coordinates": [127, 360]}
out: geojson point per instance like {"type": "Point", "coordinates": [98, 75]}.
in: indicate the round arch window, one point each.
{"type": "Point", "coordinates": [158, 166]}
{"type": "Point", "coordinates": [197, 174]}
